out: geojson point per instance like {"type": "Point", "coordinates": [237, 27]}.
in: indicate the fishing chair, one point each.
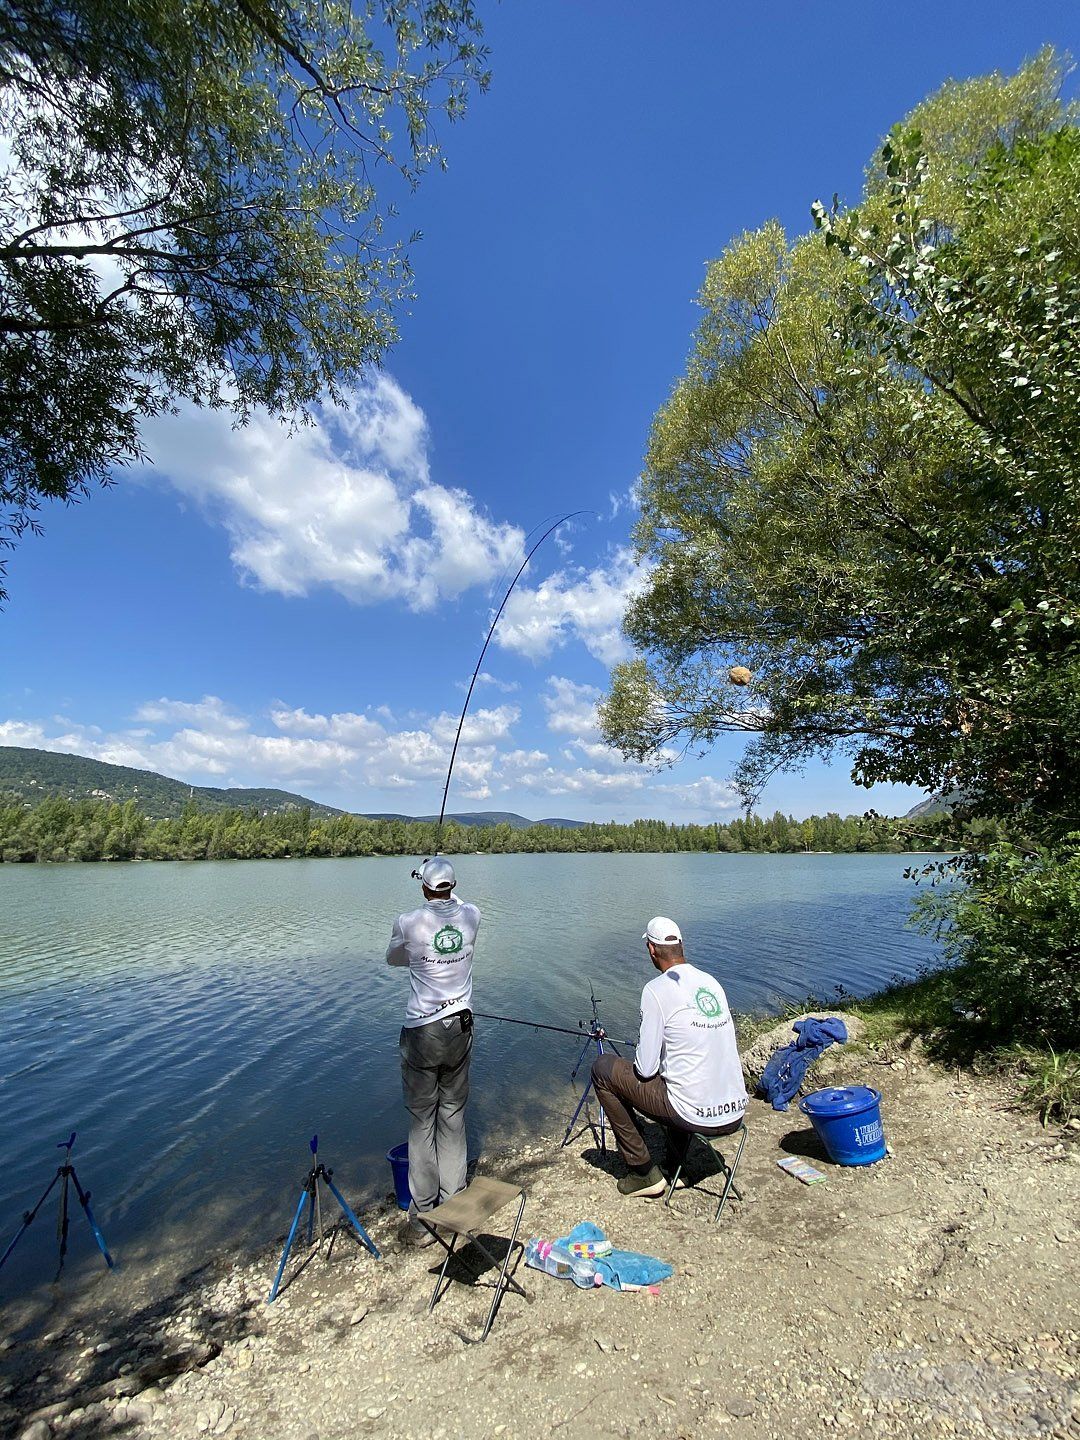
{"type": "Point", "coordinates": [462, 1216]}
{"type": "Point", "coordinates": [728, 1171]}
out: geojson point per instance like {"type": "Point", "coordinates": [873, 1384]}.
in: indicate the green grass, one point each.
{"type": "Point", "coordinates": [1049, 1080]}
{"type": "Point", "coordinates": [902, 1012]}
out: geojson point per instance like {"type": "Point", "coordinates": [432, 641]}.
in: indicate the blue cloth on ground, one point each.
{"type": "Point", "coordinates": [784, 1074]}
{"type": "Point", "coordinates": [621, 1268]}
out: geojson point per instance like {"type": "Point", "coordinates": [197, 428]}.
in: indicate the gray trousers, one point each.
{"type": "Point", "coordinates": [435, 1079]}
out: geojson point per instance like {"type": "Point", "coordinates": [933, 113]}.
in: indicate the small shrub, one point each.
{"type": "Point", "coordinates": [1014, 931]}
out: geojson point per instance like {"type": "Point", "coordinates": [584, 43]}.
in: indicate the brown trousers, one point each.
{"type": "Point", "coordinates": [620, 1092]}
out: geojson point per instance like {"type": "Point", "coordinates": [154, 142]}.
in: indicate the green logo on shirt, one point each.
{"type": "Point", "coordinates": [707, 1003]}
{"type": "Point", "coordinates": [448, 940]}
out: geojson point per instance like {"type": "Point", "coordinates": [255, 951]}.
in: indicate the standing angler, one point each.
{"type": "Point", "coordinates": [686, 1071]}
{"type": "Point", "coordinates": [436, 943]}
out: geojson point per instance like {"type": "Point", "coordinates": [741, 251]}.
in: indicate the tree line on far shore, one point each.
{"type": "Point", "coordinates": [61, 830]}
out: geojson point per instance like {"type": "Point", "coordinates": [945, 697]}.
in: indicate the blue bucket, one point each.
{"type": "Point", "coordinates": [848, 1123]}
{"type": "Point", "coordinates": [399, 1163]}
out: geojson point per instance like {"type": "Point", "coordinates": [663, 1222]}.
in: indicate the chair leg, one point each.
{"type": "Point", "coordinates": [502, 1287]}
{"type": "Point", "coordinates": [729, 1173]}
{"type": "Point", "coordinates": [442, 1273]}
{"type": "Point", "coordinates": [682, 1163]}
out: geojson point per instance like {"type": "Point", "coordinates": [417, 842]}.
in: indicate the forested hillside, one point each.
{"type": "Point", "coordinates": [34, 775]}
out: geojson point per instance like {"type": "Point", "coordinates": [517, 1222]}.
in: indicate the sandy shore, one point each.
{"type": "Point", "coordinates": [934, 1292]}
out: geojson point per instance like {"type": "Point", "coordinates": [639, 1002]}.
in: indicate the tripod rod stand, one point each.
{"type": "Point", "coordinates": [66, 1176]}
{"type": "Point", "coordinates": [311, 1196]}
{"type": "Point", "coordinates": [596, 1038]}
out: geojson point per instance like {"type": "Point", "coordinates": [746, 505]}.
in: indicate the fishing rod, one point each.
{"type": "Point", "coordinates": [596, 1041]}
{"type": "Point", "coordinates": [476, 673]}
{"type": "Point", "coordinates": [538, 1025]}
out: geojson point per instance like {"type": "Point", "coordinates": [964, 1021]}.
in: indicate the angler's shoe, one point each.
{"type": "Point", "coordinates": [644, 1187]}
{"type": "Point", "coordinates": [419, 1238]}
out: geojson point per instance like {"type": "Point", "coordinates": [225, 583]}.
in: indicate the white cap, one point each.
{"type": "Point", "coordinates": [662, 931]}
{"type": "Point", "coordinates": [438, 874]}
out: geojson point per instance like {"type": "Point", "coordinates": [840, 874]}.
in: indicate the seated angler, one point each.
{"type": "Point", "coordinates": [686, 1072]}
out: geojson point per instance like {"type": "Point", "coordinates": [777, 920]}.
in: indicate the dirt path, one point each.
{"type": "Point", "coordinates": [934, 1292]}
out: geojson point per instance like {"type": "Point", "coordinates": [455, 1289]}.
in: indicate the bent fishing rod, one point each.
{"type": "Point", "coordinates": [594, 1030]}
{"type": "Point", "coordinates": [476, 673]}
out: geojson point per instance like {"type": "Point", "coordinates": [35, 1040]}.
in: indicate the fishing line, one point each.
{"type": "Point", "coordinates": [472, 683]}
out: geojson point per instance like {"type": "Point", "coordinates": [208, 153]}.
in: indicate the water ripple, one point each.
{"type": "Point", "coordinates": [196, 1023]}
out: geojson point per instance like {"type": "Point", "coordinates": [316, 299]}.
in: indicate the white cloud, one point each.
{"type": "Point", "coordinates": [345, 726]}
{"type": "Point", "coordinates": [627, 499]}
{"type": "Point", "coordinates": [209, 712]}
{"type": "Point", "coordinates": [347, 502]}
{"type": "Point", "coordinates": [356, 759]}
{"type": "Point", "coordinates": [591, 784]}
{"type": "Point", "coordinates": [587, 605]}
{"type": "Point", "coordinates": [479, 726]}
{"type": "Point", "coordinates": [31, 735]}
{"type": "Point", "coordinates": [571, 708]}
{"type": "Point", "coordinates": [704, 797]}
{"type": "Point", "coordinates": [508, 687]}
{"type": "Point", "coordinates": [206, 741]}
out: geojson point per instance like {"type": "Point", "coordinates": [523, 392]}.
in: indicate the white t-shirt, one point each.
{"type": "Point", "coordinates": [687, 1037]}
{"type": "Point", "coordinates": [436, 943]}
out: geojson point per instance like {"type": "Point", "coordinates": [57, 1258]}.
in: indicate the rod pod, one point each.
{"type": "Point", "coordinates": [311, 1197]}
{"type": "Point", "coordinates": [66, 1176]}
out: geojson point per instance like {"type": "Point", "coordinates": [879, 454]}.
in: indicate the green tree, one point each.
{"type": "Point", "coordinates": [1014, 932]}
{"type": "Point", "coordinates": [191, 211]}
{"type": "Point", "coordinates": [864, 488]}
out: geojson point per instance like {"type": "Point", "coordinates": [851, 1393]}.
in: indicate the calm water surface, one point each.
{"type": "Point", "coordinates": [197, 1022]}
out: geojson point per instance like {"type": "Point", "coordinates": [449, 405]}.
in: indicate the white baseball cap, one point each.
{"type": "Point", "coordinates": [438, 874]}
{"type": "Point", "coordinates": [662, 931]}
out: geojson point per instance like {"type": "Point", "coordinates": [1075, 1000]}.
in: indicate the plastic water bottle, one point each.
{"type": "Point", "coordinates": [552, 1259]}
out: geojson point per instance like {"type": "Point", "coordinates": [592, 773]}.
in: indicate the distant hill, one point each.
{"type": "Point", "coordinates": [33, 775]}
{"type": "Point", "coordinates": [470, 817]}
{"type": "Point", "coordinates": [487, 817]}
{"type": "Point", "coordinates": [934, 805]}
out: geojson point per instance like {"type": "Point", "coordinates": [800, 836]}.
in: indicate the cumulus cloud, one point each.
{"type": "Point", "coordinates": [345, 726]}
{"type": "Point", "coordinates": [586, 605]}
{"type": "Point", "coordinates": [347, 502]}
{"type": "Point", "coordinates": [508, 687]}
{"type": "Point", "coordinates": [210, 712]}
{"type": "Point", "coordinates": [571, 708]}
{"type": "Point", "coordinates": [704, 796]}
{"type": "Point", "coordinates": [352, 759]}
{"type": "Point", "coordinates": [206, 741]}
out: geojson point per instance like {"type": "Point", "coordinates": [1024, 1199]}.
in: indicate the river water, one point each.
{"type": "Point", "coordinates": [196, 1023]}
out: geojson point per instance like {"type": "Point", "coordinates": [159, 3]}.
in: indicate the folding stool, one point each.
{"type": "Point", "coordinates": [728, 1171]}
{"type": "Point", "coordinates": [463, 1215]}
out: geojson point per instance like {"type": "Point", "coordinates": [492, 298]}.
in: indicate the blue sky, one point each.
{"type": "Point", "coordinates": [306, 611]}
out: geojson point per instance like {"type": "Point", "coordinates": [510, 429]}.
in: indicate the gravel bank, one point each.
{"type": "Point", "coordinates": [935, 1293]}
